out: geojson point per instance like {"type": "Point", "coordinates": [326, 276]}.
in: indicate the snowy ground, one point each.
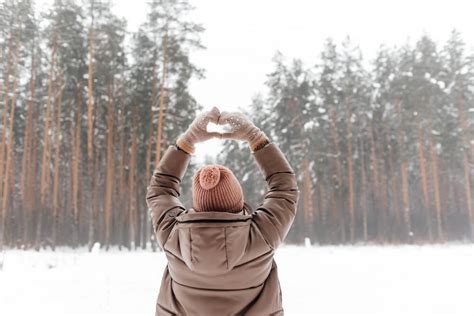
{"type": "Point", "coordinates": [407, 280]}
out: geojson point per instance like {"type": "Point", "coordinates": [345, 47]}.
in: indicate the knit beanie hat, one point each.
{"type": "Point", "coordinates": [215, 188]}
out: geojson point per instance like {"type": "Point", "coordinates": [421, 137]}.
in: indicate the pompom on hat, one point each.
{"type": "Point", "coordinates": [216, 189]}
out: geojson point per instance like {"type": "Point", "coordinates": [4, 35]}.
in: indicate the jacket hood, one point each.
{"type": "Point", "coordinates": [210, 243]}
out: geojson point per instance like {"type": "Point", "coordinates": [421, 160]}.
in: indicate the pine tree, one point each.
{"type": "Point", "coordinates": [160, 78]}
{"type": "Point", "coordinates": [291, 99]}
{"type": "Point", "coordinates": [384, 115]}
{"type": "Point", "coordinates": [457, 78]}
{"type": "Point", "coordinates": [65, 19]}
{"type": "Point", "coordinates": [329, 152]}
{"type": "Point", "coordinates": [355, 105]}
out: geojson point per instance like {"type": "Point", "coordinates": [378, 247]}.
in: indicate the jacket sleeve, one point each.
{"type": "Point", "coordinates": [276, 214]}
{"type": "Point", "coordinates": [163, 193]}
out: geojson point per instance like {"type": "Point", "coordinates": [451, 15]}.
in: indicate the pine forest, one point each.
{"type": "Point", "coordinates": [383, 148]}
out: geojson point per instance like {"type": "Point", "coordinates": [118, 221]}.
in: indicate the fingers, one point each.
{"type": "Point", "coordinates": [213, 115]}
{"type": "Point", "coordinates": [228, 135]}
{"type": "Point", "coordinates": [232, 118]}
{"type": "Point", "coordinates": [224, 116]}
{"type": "Point", "coordinates": [214, 134]}
{"type": "Point", "coordinates": [215, 109]}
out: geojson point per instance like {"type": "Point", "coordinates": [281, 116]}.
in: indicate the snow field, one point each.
{"type": "Point", "coordinates": [359, 280]}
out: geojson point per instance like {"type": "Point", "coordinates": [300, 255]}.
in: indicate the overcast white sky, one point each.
{"type": "Point", "coordinates": [243, 35]}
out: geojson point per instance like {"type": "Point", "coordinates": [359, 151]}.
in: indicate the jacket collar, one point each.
{"type": "Point", "coordinates": [191, 215]}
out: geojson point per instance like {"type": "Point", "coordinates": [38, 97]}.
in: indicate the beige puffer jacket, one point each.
{"type": "Point", "coordinates": [221, 263]}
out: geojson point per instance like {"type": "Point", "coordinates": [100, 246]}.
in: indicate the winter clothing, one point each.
{"type": "Point", "coordinates": [215, 188]}
{"type": "Point", "coordinates": [242, 129]}
{"type": "Point", "coordinates": [197, 131]}
{"type": "Point", "coordinates": [221, 263]}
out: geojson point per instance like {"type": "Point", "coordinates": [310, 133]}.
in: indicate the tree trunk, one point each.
{"type": "Point", "coordinates": [90, 134]}
{"type": "Point", "coordinates": [322, 231]}
{"type": "Point", "coordinates": [57, 160]}
{"type": "Point", "coordinates": [76, 166]}
{"type": "Point", "coordinates": [122, 189]}
{"type": "Point", "coordinates": [337, 178]}
{"type": "Point", "coordinates": [27, 153]}
{"type": "Point", "coordinates": [131, 185]}
{"type": "Point", "coordinates": [363, 197]}
{"type": "Point", "coordinates": [154, 92]}
{"type": "Point", "coordinates": [376, 187]}
{"type": "Point", "coordinates": [307, 199]}
{"type": "Point", "coordinates": [405, 176]}
{"type": "Point", "coordinates": [424, 181]}
{"type": "Point", "coordinates": [350, 172]}
{"type": "Point", "coordinates": [8, 184]}
{"type": "Point", "coordinates": [110, 169]}
{"type": "Point", "coordinates": [5, 118]}
{"type": "Point", "coordinates": [3, 145]}
{"type": "Point", "coordinates": [466, 165]}
{"type": "Point", "coordinates": [45, 172]}
{"type": "Point", "coordinates": [162, 101]}
{"type": "Point", "coordinates": [32, 195]}
{"type": "Point", "coordinates": [436, 186]}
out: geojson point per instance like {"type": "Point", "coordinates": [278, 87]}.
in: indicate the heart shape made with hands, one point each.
{"type": "Point", "coordinates": [227, 125]}
{"type": "Point", "coordinates": [218, 128]}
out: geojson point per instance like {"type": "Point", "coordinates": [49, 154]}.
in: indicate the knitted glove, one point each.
{"type": "Point", "coordinates": [197, 131]}
{"type": "Point", "coordinates": [242, 129]}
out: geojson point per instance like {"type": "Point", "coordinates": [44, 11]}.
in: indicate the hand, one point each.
{"type": "Point", "coordinates": [197, 131]}
{"type": "Point", "coordinates": [242, 128]}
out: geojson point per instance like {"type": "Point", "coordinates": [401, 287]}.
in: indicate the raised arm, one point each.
{"type": "Point", "coordinates": [164, 190]}
{"type": "Point", "coordinates": [277, 212]}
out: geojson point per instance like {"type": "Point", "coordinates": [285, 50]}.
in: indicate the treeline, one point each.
{"type": "Point", "coordinates": [383, 149]}
{"type": "Point", "coordinates": [86, 110]}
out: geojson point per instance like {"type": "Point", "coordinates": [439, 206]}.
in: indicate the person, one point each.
{"type": "Point", "coordinates": [220, 252]}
